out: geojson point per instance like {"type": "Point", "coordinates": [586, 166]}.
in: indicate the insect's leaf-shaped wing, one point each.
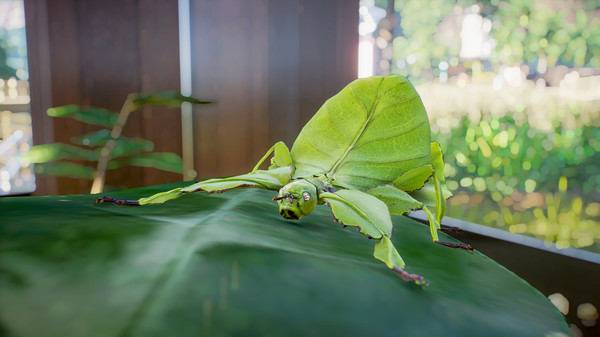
{"type": "Point", "coordinates": [358, 209]}
{"type": "Point", "coordinates": [271, 180]}
{"type": "Point", "coordinates": [370, 133]}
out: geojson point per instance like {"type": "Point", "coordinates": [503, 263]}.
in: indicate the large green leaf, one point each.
{"type": "Point", "coordinates": [130, 146]}
{"type": "Point", "coordinates": [66, 169]}
{"type": "Point", "coordinates": [124, 146]}
{"type": "Point", "coordinates": [93, 139]}
{"type": "Point", "coordinates": [45, 153]}
{"type": "Point", "coordinates": [89, 115]}
{"type": "Point", "coordinates": [229, 265]}
{"type": "Point", "coordinates": [368, 134]}
{"type": "Point", "coordinates": [166, 161]}
{"type": "Point", "coordinates": [166, 98]}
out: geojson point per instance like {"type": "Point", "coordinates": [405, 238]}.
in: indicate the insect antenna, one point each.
{"type": "Point", "coordinates": [283, 196]}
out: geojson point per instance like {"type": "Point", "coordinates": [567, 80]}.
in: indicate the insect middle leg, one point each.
{"type": "Point", "coordinates": [410, 277]}
{"type": "Point", "coordinates": [455, 245]}
{"type": "Point", "coordinates": [434, 226]}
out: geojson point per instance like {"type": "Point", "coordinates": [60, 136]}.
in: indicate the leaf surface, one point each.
{"type": "Point", "coordinates": [66, 169]}
{"type": "Point", "coordinates": [45, 153]}
{"type": "Point", "coordinates": [166, 161]}
{"type": "Point", "coordinates": [229, 265]}
{"type": "Point", "coordinates": [88, 115]}
{"type": "Point", "coordinates": [370, 133]}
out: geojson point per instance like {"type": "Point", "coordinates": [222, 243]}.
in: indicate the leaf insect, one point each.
{"type": "Point", "coordinates": [366, 154]}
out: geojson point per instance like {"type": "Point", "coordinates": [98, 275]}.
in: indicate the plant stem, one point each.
{"type": "Point", "coordinates": [100, 174]}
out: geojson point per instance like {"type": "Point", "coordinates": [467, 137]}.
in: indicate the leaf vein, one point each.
{"type": "Point", "coordinates": [383, 162]}
{"type": "Point", "coordinates": [391, 137]}
{"type": "Point", "coordinates": [309, 164]}
{"type": "Point", "coordinates": [321, 151]}
{"type": "Point", "coordinates": [332, 124]}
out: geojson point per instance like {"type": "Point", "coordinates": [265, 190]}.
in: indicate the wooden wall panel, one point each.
{"type": "Point", "coordinates": [99, 52]}
{"type": "Point", "coordinates": [270, 64]}
{"type": "Point", "coordinates": [229, 55]}
{"type": "Point", "coordinates": [159, 70]}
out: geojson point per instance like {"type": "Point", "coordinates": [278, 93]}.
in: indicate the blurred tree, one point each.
{"type": "Point", "coordinates": [565, 33]}
{"type": "Point", "coordinates": [524, 31]}
{"type": "Point", "coordinates": [6, 71]}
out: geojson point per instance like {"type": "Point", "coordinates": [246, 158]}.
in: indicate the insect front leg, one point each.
{"type": "Point", "coordinates": [158, 198]}
{"type": "Point", "coordinates": [281, 157]}
{"type": "Point", "coordinates": [271, 180]}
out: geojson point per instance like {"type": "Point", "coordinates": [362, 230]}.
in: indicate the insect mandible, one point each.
{"type": "Point", "coordinates": [366, 154]}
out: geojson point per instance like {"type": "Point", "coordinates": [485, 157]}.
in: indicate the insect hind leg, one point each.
{"type": "Point", "coordinates": [455, 245]}
{"type": "Point", "coordinates": [117, 202]}
{"type": "Point", "coordinates": [434, 226]}
{"type": "Point", "coordinates": [450, 229]}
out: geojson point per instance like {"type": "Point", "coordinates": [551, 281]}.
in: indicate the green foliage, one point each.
{"type": "Point", "coordinates": [508, 175]}
{"type": "Point", "coordinates": [88, 115]}
{"type": "Point", "coordinates": [528, 29]}
{"type": "Point", "coordinates": [228, 265]}
{"type": "Point", "coordinates": [56, 151]}
{"type": "Point", "coordinates": [524, 30]}
{"type": "Point", "coordinates": [170, 99]}
{"type": "Point", "coordinates": [166, 161]}
{"type": "Point", "coordinates": [125, 151]}
{"type": "Point", "coordinates": [65, 169]}
{"type": "Point", "coordinates": [418, 25]}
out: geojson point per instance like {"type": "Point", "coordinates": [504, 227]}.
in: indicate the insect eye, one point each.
{"type": "Point", "coordinates": [306, 196]}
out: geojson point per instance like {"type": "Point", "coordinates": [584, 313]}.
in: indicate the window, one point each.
{"type": "Point", "coordinates": [16, 175]}
{"type": "Point", "coordinates": [511, 90]}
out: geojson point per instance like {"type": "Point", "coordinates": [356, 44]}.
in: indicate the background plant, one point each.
{"type": "Point", "coordinates": [523, 31]}
{"type": "Point", "coordinates": [107, 148]}
{"type": "Point", "coordinates": [543, 183]}
{"type": "Point", "coordinates": [518, 117]}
